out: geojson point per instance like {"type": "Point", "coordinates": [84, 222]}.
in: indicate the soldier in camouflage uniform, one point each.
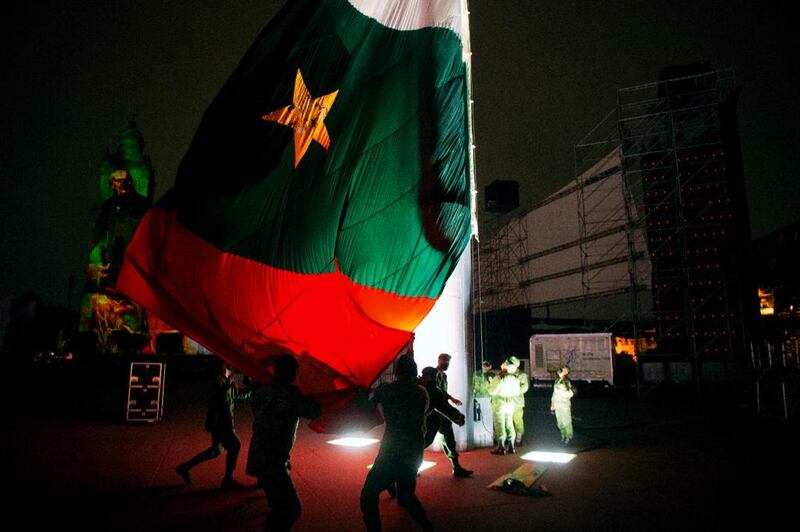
{"type": "Point", "coordinates": [480, 380]}
{"type": "Point", "coordinates": [561, 404]}
{"type": "Point", "coordinates": [505, 389]}
{"type": "Point", "coordinates": [480, 388]}
{"type": "Point", "coordinates": [277, 406]}
{"type": "Point", "coordinates": [519, 402]}
{"type": "Point", "coordinates": [446, 429]}
{"type": "Point", "coordinates": [440, 414]}
{"type": "Point", "coordinates": [219, 422]}
{"type": "Point", "coordinates": [404, 404]}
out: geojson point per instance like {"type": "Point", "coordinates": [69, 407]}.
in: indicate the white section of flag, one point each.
{"type": "Point", "coordinates": [417, 14]}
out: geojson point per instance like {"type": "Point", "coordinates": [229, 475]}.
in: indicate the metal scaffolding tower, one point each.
{"type": "Point", "coordinates": [612, 248]}
{"type": "Point", "coordinates": [678, 157]}
{"type": "Point", "coordinates": [502, 250]}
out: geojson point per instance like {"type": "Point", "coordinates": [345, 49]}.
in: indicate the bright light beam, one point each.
{"type": "Point", "coordinates": [425, 465]}
{"type": "Point", "coordinates": [543, 456]}
{"type": "Point", "coordinates": [352, 441]}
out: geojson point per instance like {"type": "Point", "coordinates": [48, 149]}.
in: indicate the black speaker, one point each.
{"type": "Point", "coordinates": [501, 196]}
{"type": "Point", "coordinates": [169, 343]}
{"type": "Point", "coordinates": [83, 344]}
{"type": "Point", "coordinates": [128, 342]}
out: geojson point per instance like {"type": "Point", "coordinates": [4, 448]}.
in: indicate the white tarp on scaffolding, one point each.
{"type": "Point", "coordinates": [573, 244]}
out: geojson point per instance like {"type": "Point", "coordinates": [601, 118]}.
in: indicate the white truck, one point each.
{"type": "Point", "coordinates": [590, 356]}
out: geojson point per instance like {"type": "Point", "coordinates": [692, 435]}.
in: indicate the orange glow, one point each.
{"type": "Point", "coordinates": [625, 346]}
{"type": "Point", "coordinates": [766, 301]}
{"type": "Point", "coordinates": [384, 307]}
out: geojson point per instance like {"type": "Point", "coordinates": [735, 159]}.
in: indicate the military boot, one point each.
{"type": "Point", "coordinates": [510, 447]}
{"type": "Point", "coordinates": [183, 471]}
{"type": "Point", "coordinates": [459, 471]}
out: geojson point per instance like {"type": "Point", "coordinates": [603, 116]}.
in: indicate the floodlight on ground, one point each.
{"type": "Point", "coordinates": [425, 465]}
{"type": "Point", "coordinates": [545, 456]}
{"type": "Point", "coordinates": [353, 441]}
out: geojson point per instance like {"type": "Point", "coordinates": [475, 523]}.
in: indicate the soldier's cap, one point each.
{"type": "Point", "coordinates": [429, 371]}
{"type": "Point", "coordinates": [444, 356]}
{"type": "Point", "coordinates": [512, 361]}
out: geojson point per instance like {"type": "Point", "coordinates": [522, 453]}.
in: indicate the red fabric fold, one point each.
{"type": "Point", "coordinates": [248, 313]}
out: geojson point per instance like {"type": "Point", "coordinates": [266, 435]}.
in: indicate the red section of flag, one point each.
{"type": "Point", "coordinates": [248, 312]}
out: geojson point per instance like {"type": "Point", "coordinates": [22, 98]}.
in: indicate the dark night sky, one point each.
{"type": "Point", "coordinates": [545, 73]}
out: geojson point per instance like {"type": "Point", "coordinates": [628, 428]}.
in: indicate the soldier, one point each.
{"type": "Point", "coordinates": [404, 405]}
{"type": "Point", "coordinates": [480, 388]}
{"type": "Point", "coordinates": [440, 414]}
{"type": "Point", "coordinates": [276, 409]}
{"type": "Point", "coordinates": [561, 404]}
{"type": "Point", "coordinates": [443, 364]}
{"type": "Point", "coordinates": [446, 428]}
{"type": "Point", "coordinates": [497, 423]}
{"type": "Point", "coordinates": [505, 388]}
{"type": "Point", "coordinates": [519, 401]}
{"type": "Point", "coordinates": [480, 380]}
{"type": "Point", "coordinates": [219, 422]}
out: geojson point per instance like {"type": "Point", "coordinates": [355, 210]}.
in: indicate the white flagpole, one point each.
{"type": "Point", "coordinates": [445, 328]}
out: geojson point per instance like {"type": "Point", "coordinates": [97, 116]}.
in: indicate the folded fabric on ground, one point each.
{"type": "Point", "coordinates": [522, 481]}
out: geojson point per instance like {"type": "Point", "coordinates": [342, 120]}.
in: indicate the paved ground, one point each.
{"type": "Point", "coordinates": [653, 464]}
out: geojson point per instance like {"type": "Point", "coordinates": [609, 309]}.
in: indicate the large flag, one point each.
{"type": "Point", "coordinates": [325, 198]}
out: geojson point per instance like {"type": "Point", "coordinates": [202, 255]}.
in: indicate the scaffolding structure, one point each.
{"type": "Point", "coordinates": [501, 316]}
{"type": "Point", "coordinates": [613, 252]}
{"type": "Point", "coordinates": [681, 174]}
{"type": "Point", "coordinates": [501, 254]}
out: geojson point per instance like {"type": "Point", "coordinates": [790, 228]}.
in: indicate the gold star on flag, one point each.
{"type": "Point", "coordinates": [305, 116]}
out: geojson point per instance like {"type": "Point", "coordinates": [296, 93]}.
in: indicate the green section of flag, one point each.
{"type": "Point", "coordinates": [389, 199]}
